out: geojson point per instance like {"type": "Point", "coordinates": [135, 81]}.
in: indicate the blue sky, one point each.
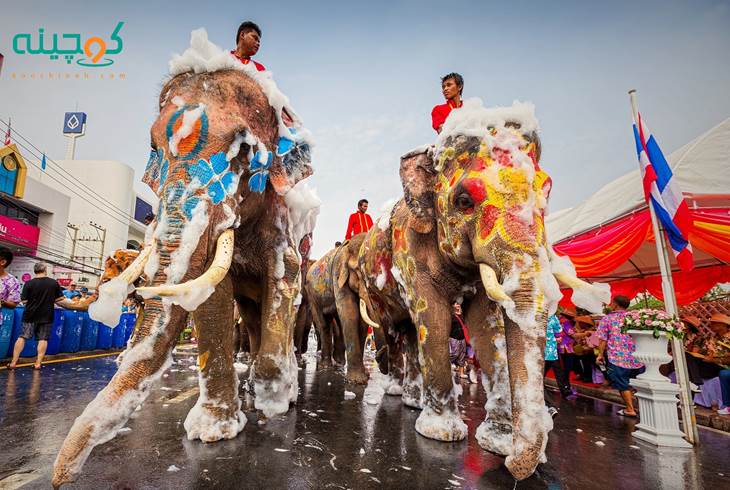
{"type": "Point", "coordinates": [365, 75]}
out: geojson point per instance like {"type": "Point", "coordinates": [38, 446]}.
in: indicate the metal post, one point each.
{"type": "Point", "coordinates": [689, 421]}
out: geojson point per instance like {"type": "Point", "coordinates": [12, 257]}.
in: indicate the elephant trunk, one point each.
{"type": "Point", "coordinates": [142, 365]}
{"type": "Point", "coordinates": [525, 339]}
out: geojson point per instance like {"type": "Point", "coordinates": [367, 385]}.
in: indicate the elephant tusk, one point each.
{"type": "Point", "coordinates": [365, 316]}
{"type": "Point", "coordinates": [586, 295]}
{"type": "Point", "coordinates": [570, 281]}
{"type": "Point", "coordinates": [132, 273]}
{"type": "Point", "coordinates": [492, 286]}
{"type": "Point", "coordinates": [210, 278]}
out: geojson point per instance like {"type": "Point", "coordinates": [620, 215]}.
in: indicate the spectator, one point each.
{"type": "Point", "coordinates": [248, 41]}
{"type": "Point", "coordinates": [457, 342]}
{"type": "Point", "coordinates": [566, 342]}
{"type": "Point", "coordinates": [621, 366]}
{"type": "Point", "coordinates": [149, 218]}
{"type": "Point", "coordinates": [360, 221]}
{"type": "Point", "coordinates": [551, 358]}
{"type": "Point", "coordinates": [725, 387]}
{"type": "Point", "coordinates": [39, 295]}
{"type": "Point", "coordinates": [9, 284]}
{"type": "Point", "coordinates": [585, 358]}
{"type": "Point", "coordinates": [338, 243]}
{"type": "Point", "coordinates": [71, 292]}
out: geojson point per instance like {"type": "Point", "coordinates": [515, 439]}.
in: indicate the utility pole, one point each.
{"type": "Point", "coordinates": [73, 239]}
{"type": "Point", "coordinates": [100, 238]}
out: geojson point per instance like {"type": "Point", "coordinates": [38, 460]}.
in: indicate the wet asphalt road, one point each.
{"type": "Point", "coordinates": [322, 442]}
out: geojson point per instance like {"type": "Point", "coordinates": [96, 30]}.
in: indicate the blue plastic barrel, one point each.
{"type": "Point", "coordinates": [131, 320]}
{"type": "Point", "coordinates": [54, 341]}
{"type": "Point", "coordinates": [118, 341]}
{"type": "Point", "coordinates": [104, 338]}
{"type": "Point", "coordinates": [89, 332]}
{"type": "Point", "coordinates": [6, 332]}
{"type": "Point", "coordinates": [72, 324]}
{"type": "Point", "coordinates": [30, 344]}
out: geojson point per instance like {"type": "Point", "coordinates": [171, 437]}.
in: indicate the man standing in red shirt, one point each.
{"type": "Point", "coordinates": [452, 85]}
{"type": "Point", "coordinates": [248, 41]}
{"type": "Point", "coordinates": [360, 221]}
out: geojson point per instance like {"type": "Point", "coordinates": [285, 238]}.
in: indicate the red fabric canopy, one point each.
{"type": "Point", "coordinates": [601, 251]}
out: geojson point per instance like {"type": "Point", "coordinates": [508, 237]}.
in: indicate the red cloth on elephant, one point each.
{"type": "Point", "coordinates": [441, 112]}
{"type": "Point", "coordinates": [245, 61]}
{"type": "Point", "coordinates": [358, 223]}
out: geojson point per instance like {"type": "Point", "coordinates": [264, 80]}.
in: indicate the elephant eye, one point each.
{"type": "Point", "coordinates": [464, 202]}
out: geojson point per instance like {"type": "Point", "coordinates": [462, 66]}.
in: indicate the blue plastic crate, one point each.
{"type": "Point", "coordinates": [72, 324]}
{"type": "Point", "coordinates": [6, 332]}
{"type": "Point", "coordinates": [89, 332]}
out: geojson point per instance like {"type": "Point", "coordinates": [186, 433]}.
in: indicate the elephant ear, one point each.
{"type": "Point", "coordinates": [292, 167]}
{"type": "Point", "coordinates": [418, 177]}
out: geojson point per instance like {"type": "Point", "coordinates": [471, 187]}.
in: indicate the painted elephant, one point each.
{"type": "Point", "coordinates": [321, 296]}
{"type": "Point", "coordinates": [472, 222]}
{"type": "Point", "coordinates": [229, 222]}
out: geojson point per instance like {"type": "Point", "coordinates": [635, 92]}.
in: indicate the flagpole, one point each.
{"type": "Point", "coordinates": [689, 421]}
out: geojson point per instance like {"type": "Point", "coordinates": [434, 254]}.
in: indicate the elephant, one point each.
{"type": "Point", "coordinates": [320, 293]}
{"type": "Point", "coordinates": [230, 219]}
{"type": "Point", "coordinates": [470, 227]}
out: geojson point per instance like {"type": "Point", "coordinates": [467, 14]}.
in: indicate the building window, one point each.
{"type": "Point", "coordinates": [8, 174]}
{"type": "Point", "coordinates": [17, 212]}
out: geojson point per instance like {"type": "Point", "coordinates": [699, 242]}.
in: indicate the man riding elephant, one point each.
{"type": "Point", "coordinates": [230, 219]}
{"type": "Point", "coordinates": [471, 226]}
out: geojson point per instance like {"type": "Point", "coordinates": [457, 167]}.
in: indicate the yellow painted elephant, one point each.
{"type": "Point", "coordinates": [470, 227]}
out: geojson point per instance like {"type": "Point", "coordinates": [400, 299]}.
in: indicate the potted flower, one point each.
{"type": "Point", "coordinates": [650, 330]}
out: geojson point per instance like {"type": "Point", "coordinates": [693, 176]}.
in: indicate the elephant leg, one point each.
{"type": "Point", "coordinates": [381, 348]}
{"type": "Point", "coordinates": [300, 325]}
{"type": "Point", "coordinates": [275, 371]}
{"type": "Point", "coordinates": [394, 363]}
{"type": "Point", "coordinates": [249, 326]}
{"type": "Point", "coordinates": [348, 310]}
{"type": "Point", "coordinates": [322, 326]}
{"type": "Point", "coordinates": [486, 328]}
{"type": "Point", "coordinates": [338, 339]}
{"type": "Point", "coordinates": [142, 366]}
{"type": "Point", "coordinates": [440, 418]}
{"type": "Point", "coordinates": [412, 378]}
{"type": "Point", "coordinates": [217, 413]}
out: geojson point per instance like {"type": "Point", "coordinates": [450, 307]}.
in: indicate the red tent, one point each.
{"type": "Point", "coordinates": [609, 236]}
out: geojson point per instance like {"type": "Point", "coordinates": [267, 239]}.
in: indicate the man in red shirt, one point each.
{"type": "Point", "coordinates": [452, 85]}
{"type": "Point", "coordinates": [248, 41]}
{"type": "Point", "coordinates": [360, 221]}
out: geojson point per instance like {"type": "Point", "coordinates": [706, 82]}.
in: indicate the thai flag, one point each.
{"type": "Point", "coordinates": [662, 190]}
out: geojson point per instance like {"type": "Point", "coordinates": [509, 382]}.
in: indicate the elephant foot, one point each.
{"type": "Point", "coordinates": [211, 422]}
{"type": "Point", "coordinates": [325, 363]}
{"type": "Point", "coordinates": [495, 437]}
{"type": "Point", "coordinates": [276, 384]}
{"type": "Point", "coordinates": [357, 377]}
{"type": "Point", "coordinates": [446, 426]}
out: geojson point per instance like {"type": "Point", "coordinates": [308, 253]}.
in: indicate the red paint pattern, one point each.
{"type": "Point", "coordinates": [490, 214]}
{"type": "Point", "coordinates": [475, 188]}
{"type": "Point", "coordinates": [502, 156]}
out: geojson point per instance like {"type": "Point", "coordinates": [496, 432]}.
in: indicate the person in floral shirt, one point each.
{"type": "Point", "coordinates": [621, 365]}
{"type": "Point", "coordinates": [9, 285]}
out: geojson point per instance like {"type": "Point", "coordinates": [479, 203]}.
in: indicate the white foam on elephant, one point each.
{"type": "Point", "coordinates": [108, 307]}
{"type": "Point", "coordinates": [180, 258]}
{"type": "Point", "coordinates": [386, 210]}
{"type": "Point", "coordinates": [202, 424]}
{"type": "Point", "coordinates": [444, 426]}
{"type": "Point", "coordinates": [413, 391]}
{"type": "Point", "coordinates": [374, 391]}
{"type": "Point", "coordinates": [273, 397]}
{"type": "Point", "coordinates": [235, 146]}
{"type": "Point", "coordinates": [105, 418]}
{"type": "Point", "coordinates": [190, 117]}
{"type": "Point", "coordinates": [178, 101]}
{"type": "Point", "coordinates": [492, 434]}
{"type": "Point", "coordinates": [589, 296]}
{"type": "Point", "coordinates": [204, 56]}
{"type": "Point", "coordinates": [547, 283]}
{"type": "Point", "coordinates": [395, 271]}
{"type": "Point", "coordinates": [473, 119]}
{"type": "Point", "coordinates": [303, 205]}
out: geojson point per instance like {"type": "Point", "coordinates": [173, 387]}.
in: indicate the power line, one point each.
{"type": "Point", "coordinates": [63, 171]}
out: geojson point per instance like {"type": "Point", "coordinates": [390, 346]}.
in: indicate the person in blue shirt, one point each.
{"type": "Point", "coordinates": [551, 356]}
{"type": "Point", "coordinates": [71, 292]}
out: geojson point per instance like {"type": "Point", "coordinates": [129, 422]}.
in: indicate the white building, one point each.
{"type": "Point", "coordinates": [73, 215]}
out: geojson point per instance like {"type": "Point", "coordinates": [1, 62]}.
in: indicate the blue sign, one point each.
{"type": "Point", "coordinates": [73, 122]}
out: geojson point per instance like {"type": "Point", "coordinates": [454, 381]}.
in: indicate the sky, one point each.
{"type": "Point", "coordinates": [364, 77]}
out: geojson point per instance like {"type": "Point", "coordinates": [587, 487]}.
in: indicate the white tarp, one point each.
{"type": "Point", "coordinates": [702, 167]}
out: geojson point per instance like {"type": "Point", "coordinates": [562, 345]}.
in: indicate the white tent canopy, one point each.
{"type": "Point", "coordinates": [702, 168]}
